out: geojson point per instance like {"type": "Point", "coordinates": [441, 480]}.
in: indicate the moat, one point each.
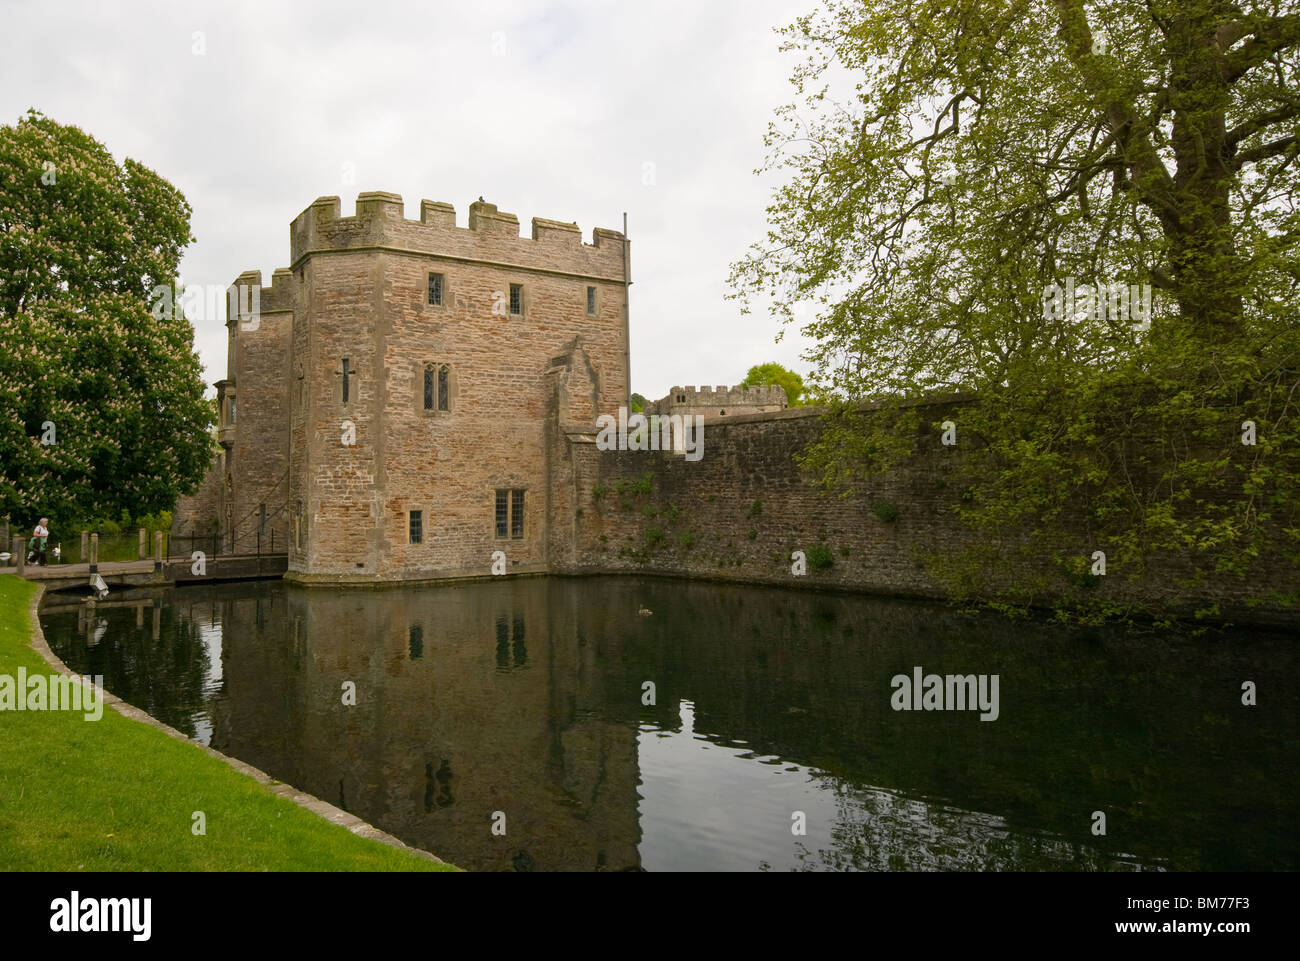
{"type": "Point", "coordinates": [526, 703]}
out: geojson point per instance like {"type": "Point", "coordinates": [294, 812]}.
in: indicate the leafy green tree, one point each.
{"type": "Point", "coordinates": [638, 404]}
{"type": "Point", "coordinates": [763, 374]}
{"type": "Point", "coordinates": [953, 167]}
{"type": "Point", "coordinates": [101, 401]}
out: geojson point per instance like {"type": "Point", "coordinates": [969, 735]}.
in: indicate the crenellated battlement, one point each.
{"type": "Point", "coordinates": [492, 236]}
{"type": "Point", "coordinates": [278, 296]}
{"type": "Point", "coordinates": [767, 397]}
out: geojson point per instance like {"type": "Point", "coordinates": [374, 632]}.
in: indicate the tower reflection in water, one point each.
{"type": "Point", "coordinates": [519, 705]}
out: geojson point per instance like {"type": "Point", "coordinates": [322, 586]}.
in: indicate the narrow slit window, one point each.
{"type": "Point", "coordinates": [347, 373]}
{"type": "Point", "coordinates": [517, 513]}
{"type": "Point", "coordinates": [443, 391]}
{"type": "Point", "coordinates": [417, 527]}
{"type": "Point", "coordinates": [435, 290]}
{"type": "Point", "coordinates": [591, 300]}
{"type": "Point", "coordinates": [428, 388]}
{"type": "Point", "coordinates": [516, 298]}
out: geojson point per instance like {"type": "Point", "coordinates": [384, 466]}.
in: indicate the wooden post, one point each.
{"type": "Point", "coordinates": [20, 553]}
{"type": "Point", "coordinates": [157, 551]}
{"type": "Point", "coordinates": [144, 544]}
{"type": "Point", "coordinates": [94, 553]}
{"type": "Point", "coordinates": [85, 546]}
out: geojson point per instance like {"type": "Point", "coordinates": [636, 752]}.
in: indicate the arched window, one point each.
{"type": "Point", "coordinates": [437, 387]}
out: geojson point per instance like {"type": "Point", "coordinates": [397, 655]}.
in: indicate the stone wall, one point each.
{"type": "Point", "coordinates": [257, 438]}
{"type": "Point", "coordinates": [741, 511]}
{"type": "Point", "coordinates": [200, 512]}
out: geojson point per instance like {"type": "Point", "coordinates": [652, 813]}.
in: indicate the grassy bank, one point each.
{"type": "Point", "coordinates": [118, 795]}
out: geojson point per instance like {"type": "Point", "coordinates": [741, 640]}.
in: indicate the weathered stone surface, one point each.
{"type": "Point", "coordinates": [358, 291]}
{"type": "Point", "coordinates": [742, 509]}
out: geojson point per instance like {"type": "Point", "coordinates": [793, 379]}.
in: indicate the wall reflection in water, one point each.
{"type": "Point", "coordinates": [526, 698]}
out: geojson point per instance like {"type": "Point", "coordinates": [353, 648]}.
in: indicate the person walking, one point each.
{"type": "Point", "coordinates": [40, 536]}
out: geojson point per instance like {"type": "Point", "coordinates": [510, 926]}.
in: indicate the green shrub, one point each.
{"type": "Point", "coordinates": [162, 521]}
{"type": "Point", "coordinates": [886, 511]}
{"type": "Point", "coordinates": [819, 557]}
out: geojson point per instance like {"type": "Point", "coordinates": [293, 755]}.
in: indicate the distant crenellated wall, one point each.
{"type": "Point", "coordinates": [720, 401]}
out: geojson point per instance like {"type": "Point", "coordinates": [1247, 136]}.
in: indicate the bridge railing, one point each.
{"type": "Point", "coordinates": [123, 546]}
{"type": "Point", "coordinates": [269, 540]}
{"type": "Point", "coordinates": [184, 545]}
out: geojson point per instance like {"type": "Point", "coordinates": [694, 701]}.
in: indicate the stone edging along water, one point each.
{"type": "Point", "coordinates": [313, 804]}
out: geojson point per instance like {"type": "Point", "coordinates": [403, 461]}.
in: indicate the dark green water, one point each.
{"type": "Point", "coordinates": [525, 697]}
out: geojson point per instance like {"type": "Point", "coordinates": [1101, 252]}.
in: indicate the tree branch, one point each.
{"type": "Point", "coordinates": [1158, 186]}
{"type": "Point", "coordinates": [1264, 151]}
{"type": "Point", "coordinates": [1257, 123]}
{"type": "Point", "coordinates": [1269, 37]}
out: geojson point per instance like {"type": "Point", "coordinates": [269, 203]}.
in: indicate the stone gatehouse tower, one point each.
{"type": "Point", "coordinates": [392, 408]}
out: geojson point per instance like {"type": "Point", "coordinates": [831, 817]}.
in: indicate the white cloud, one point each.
{"type": "Point", "coordinates": [420, 100]}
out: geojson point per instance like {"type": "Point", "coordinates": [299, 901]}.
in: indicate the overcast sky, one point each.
{"type": "Point", "coordinates": [574, 111]}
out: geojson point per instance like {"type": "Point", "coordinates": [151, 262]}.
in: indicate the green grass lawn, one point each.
{"type": "Point", "coordinates": [118, 795]}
